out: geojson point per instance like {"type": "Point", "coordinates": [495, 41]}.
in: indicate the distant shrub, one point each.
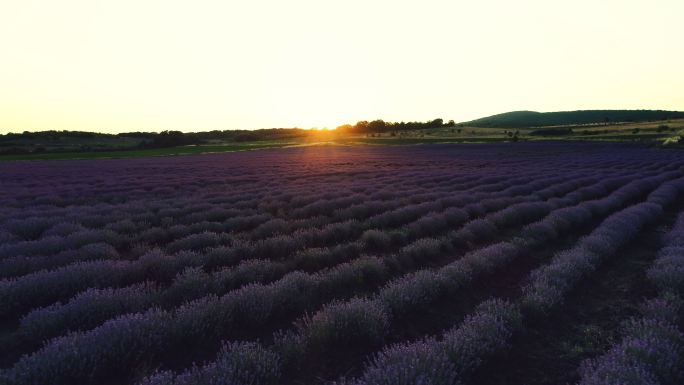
{"type": "Point", "coordinates": [673, 140]}
{"type": "Point", "coordinates": [551, 132]}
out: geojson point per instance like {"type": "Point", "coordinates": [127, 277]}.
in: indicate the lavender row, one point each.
{"type": "Point", "coordinates": [652, 347]}
{"type": "Point", "coordinates": [274, 302]}
{"type": "Point", "coordinates": [89, 357]}
{"type": "Point", "coordinates": [665, 194]}
{"type": "Point", "coordinates": [416, 227]}
{"type": "Point", "coordinates": [151, 212]}
{"type": "Point", "coordinates": [193, 282]}
{"type": "Point", "coordinates": [20, 264]}
{"type": "Point", "coordinates": [350, 322]}
{"type": "Point", "coordinates": [367, 321]}
{"type": "Point", "coordinates": [667, 272]}
{"type": "Point", "coordinates": [200, 177]}
{"type": "Point", "coordinates": [32, 227]}
{"type": "Point", "coordinates": [205, 186]}
{"type": "Point", "coordinates": [549, 284]}
{"type": "Point", "coordinates": [224, 214]}
{"type": "Point", "coordinates": [459, 350]}
{"type": "Point", "coordinates": [651, 351]}
{"type": "Point", "coordinates": [431, 361]}
{"type": "Point", "coordinates": [98, 305]}
{"type": "Point", "coordinates": [125, 272]}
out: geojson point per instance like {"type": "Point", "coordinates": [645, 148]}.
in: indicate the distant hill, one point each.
{"type": "Point", "coordinates": [521, 119]}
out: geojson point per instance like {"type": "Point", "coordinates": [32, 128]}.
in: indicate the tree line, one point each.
{"type": "Point", "coordinates": [380, 126]}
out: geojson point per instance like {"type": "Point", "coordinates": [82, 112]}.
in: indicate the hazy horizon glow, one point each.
{"type": "Point", "coordinates": [150, 65]}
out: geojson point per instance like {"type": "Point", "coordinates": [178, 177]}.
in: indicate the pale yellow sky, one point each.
{"type": "Point", "coordinates": [125, 65]}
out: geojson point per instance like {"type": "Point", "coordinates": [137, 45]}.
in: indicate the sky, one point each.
{"type": "Point", "coordinates": [148, 65]}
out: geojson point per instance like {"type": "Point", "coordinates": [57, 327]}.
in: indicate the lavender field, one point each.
{"type": "Point", "coordinates": [526, 263]}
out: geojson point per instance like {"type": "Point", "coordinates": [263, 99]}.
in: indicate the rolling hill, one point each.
{"type": "Point", "coordinates": [520, 119]}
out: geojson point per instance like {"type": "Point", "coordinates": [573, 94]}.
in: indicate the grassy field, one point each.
{"type": "Point", "coordinates": [619, 131]}
{"type": "Point", "coordinates": [649, 131]}
{"type": "Point", "coordinates": [246, 146]}
{"type": "Point", "coordinates": [181, 150]}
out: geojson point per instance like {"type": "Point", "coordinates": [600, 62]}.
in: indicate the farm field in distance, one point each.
{"type": "Point", "coordinates": [76, 147]}
{"type": "Point", "coordinates": [538, 262]}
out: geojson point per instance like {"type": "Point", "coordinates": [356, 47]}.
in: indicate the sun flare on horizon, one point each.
{"type": "Point", "coordinates": [151, 65]}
